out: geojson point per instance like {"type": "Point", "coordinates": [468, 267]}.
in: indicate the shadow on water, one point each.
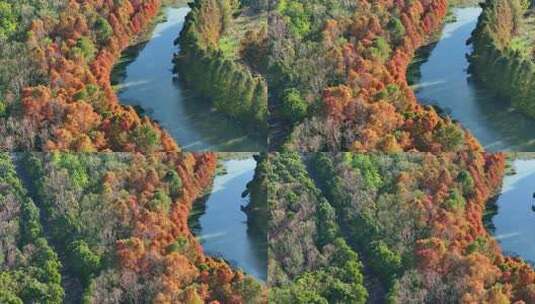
{"type": "Point", "coordinates": [445, 82]}
{"type": "Point", "coordinates": [513, 220]}
{"type": "Point", "coordinates": [146, 81]}
{"type": "Point", "coordinates": [221, 225]}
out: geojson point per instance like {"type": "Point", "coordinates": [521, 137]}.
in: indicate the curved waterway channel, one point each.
{"type": "Point", "coordinates": [146, 81]}
{"type": "Point", "coordinates": [444, 81]}
{"type": "Point", "coordinates": [513, 217]}
{"type": "Point", "coordinates": [221, 225]}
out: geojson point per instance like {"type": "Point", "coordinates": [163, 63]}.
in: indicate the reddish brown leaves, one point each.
{"type": "Point", "coordinates": [66, 121]}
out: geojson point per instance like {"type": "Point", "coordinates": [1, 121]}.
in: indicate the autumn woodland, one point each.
{"type": "Point", "coordinates": [367, 189]}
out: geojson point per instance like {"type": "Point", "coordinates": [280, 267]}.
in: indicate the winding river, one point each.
{"type": "Point", "coordinates": [513, 225]}
{"type": "Point", "coordinates": [147, 82]}
{"type": "Point", "coordinates": [445, 82]}
{"type": "Point", "coordinates": [222, 226]}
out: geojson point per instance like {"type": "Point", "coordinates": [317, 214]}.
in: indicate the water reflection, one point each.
{"type": "Point", "coordinates": [445, 82]}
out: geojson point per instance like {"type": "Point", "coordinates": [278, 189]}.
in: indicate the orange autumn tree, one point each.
{"type": "Point", "coordinates": [418, 219]}
{"type": "Point", "coordinates": [74, 106]}
{"type": "Point", "coordinates": [371, 107]}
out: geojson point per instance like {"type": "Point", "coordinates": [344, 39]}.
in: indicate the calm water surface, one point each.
{"type": "Point", "coordinates": [445, 82]}
{"type": "Point", "coordinates": [514, 224]}
{"type": "Point", "coordinates": [222, 229]}
{"type": "Point", "coordinates": [148, 83]}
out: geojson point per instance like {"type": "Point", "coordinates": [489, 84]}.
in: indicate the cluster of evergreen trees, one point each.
{"type": "Point", "coordinates": [229, 84]}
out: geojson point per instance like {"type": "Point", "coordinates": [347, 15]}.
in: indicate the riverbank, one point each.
{"type": "Point", "coordinates": [423, 53]}
{"type": "Point", "coordinates": [219, 223]}
{"type": "Point", "coordinates": [75, 107]}
{"type": "Point", "coordinates": [149, 87]}
{"type": "Point", "coordinates": [125, 214]}
{"type": "Point", "coordinates": [369, 106]}
{"type": "Point", "coordinates": [511, 217]}
{"type": "Point", "coordinates": [212, 61]}
{"type": "Point", "coordinates": [128, 55]}
{"type": "Point", "coordinates": [442, 80]}
{"type": "Point", "coordinates": [410, 216]}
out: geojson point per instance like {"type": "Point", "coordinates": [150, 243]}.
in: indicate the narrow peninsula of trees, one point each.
{"type": "Point", "coordinates": [222, 50]}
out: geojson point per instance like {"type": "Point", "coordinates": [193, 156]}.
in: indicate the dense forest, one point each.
{"type": "Point", "coordinates": [342, 228]}
{"type": "Point", "coordinates": [503, 40]}
{"type": "Point", "coordinates": [367, 197]}
{"type": "Point", "coordinates": [119, 225]}
{"type": "Point", "coordinates": [335, 70]}
{"type": "Point", "coordinates": [341, 222]}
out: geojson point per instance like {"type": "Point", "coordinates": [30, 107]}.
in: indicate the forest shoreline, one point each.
{"type": "Point", "coordinates": [228, 84]}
